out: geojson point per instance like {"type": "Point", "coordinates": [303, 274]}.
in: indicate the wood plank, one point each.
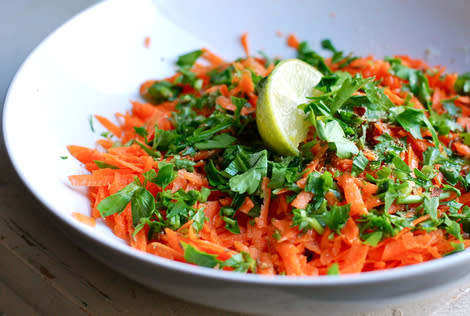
{"type": "Point", "coordinates": [12, 304]}
{"type": "Point", "coordinates": [32, 286]}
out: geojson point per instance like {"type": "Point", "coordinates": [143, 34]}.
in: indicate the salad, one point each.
{"type": "Point", "coordinates": [309, 166]}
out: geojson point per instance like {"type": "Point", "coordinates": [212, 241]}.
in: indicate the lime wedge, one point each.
{"type": "Point", "coordinates": [281, 124]}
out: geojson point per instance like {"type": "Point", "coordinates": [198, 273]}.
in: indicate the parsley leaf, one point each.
{"type": "Point", "coordinates": [198, 220]}
{"type": "Point", "coordinates": [411, 119]}
{"type": "Point", "coordinates": [141, 131]}
{"type": "Point", "coordinates": [163, 140]}
{"type": "Point", "coordinates": [431, 155]}
{"type": "Point", "coordinates": [188, 165]}
{"type": "Point", "coordinates": [360, 163]}
{"type": "Point", "coordinates": [333, 269]}
{"type": "Point", "coordinates": [452, 227]}
{"type": "Point", "coordinates": [306, 222]}
{"type": "Point", "coordinates": [201, 134]}
{"type": "Point", "coordinates": [90, 122]}
{"type": "Point", "coordinates": [166, 174]}
{"type": "Point", "coordinates": [162, 91]}
{"type": "Point", "coordinates": [189, 78]}
{"type": "Point", "coordinates": [221, 76]}
{"type": "Point", "coordinates": [418, 83]}
{"type": "Point", "coordinates": [285, 172]}
{"type": "Point", "coordinates": [231, 224]}
{"type": "Point", "coordinates": [462, 85]}
{"type": "Point", "coordinates": [335, 218]}
{"type": "Point", "coordinates": [305, 53]}
{"type": "Point", "coordinates": [319, 184]}
{"type": "Point", "coordinates": [341, 87]}
{"type": "Point", "coordinates": [388, 224]}
{"type": "Point", "coordinates": [218, 141]}
{"type": "Point", "coordinates": [373, 239]}
{"type": "Point", "coordinates": [179, 207]}
{"type": "Point", "coordinates": [249, 180]}
{"type": "Point", "coordinates": [444, 123]}
{"type": "Point", "coordinates": [200, 258]}
{"type": "Point", "coordinates": [430, 206]}
{"type": "Point", "coordinates": [117, 202]}
{"type": "Point", "coordinates": [217, 178]}
{"type": "Point", "coordinates": [450, 106]}
{"type": "Point", "coordinates": [278, 174]}
{"type": "Point", "coordinates": [401, 165]}
{"type": "Point", "coordinates": [241, 262]}
{"type": "Point", "coordinates": [149, 151]}
{"type": "Point", "coordinates": [377, 96]}
{"type": "Point", "coordinates": [142, 205]}
{"type": "Point", "coordinates": [103, 165]}
{"type": "Point", "coordinates": [338, 56]}
{"type": "Point", "coordinates": [388, 147]}
{"type": "Point", "coordinates": [188, 60]}
{"type": "Point", "coordinates": [451, 171]}
{"type": "Point", "coordinates": [334, 135]}
{"type": "Point", "coordinates": [349, 86]}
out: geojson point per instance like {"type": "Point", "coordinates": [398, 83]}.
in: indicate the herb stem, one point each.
{"type": "Point", "coordinates": [410, 199]}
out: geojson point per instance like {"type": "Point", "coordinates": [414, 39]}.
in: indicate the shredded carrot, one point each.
{"type": "Point", "coordinates": [464, 122]}
{"type": "Point", "coordinates": [225, 103]}
{"type": "Point", "coordinates": [147, 41]}
{"type": "Point", "coordinates": [302, 200]}
{"type": "Point", "coordinates": [289, 255]}
{"type": "Point", "coordinates": [262, 220]}
{"type": "Point", "coordinates": [164, 251]}
{"type": "Point", "coordinates": [292, 41]}
{"type": "Point", "coordinates": [204, 154]}
{"type": "Point", "coordinates": [211, 57]}
{"type": "Point", "coordinates": [462, 149]}
{"type": "Point", "coordinates": [84, 154]}
{"type": "Point", "coordinates": [215, 187]}
{"type": "Point", "coordinates": [246, 83]}
{"type": "Point", "coordinates": [421, 219]}
{"type": "Point", "coordinates": [246, 206]}
{"type": "Point", "coordinates": [139, 241]}
{"type": "Point", "coordinates": [244, 41]}
{"type": "Point", "coordinates": [353, 195]}
{"type": "Point", "coordinates": [87, 220]}
{"type": "Point", "coordinates": [113, 128]}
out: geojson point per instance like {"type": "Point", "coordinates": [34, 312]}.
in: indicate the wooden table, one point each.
{"type": "Point", "coordinates": [44, 273]}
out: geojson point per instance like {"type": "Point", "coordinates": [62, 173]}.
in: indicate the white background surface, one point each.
{"type": "Point", "coordinates": [43, 273]}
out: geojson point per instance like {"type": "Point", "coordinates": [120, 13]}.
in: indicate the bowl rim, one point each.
{"type": "Point", "coordinates": [424, 268]}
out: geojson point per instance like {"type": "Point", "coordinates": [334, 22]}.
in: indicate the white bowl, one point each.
{"type": "Point", "coordinates": [94, 64]}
